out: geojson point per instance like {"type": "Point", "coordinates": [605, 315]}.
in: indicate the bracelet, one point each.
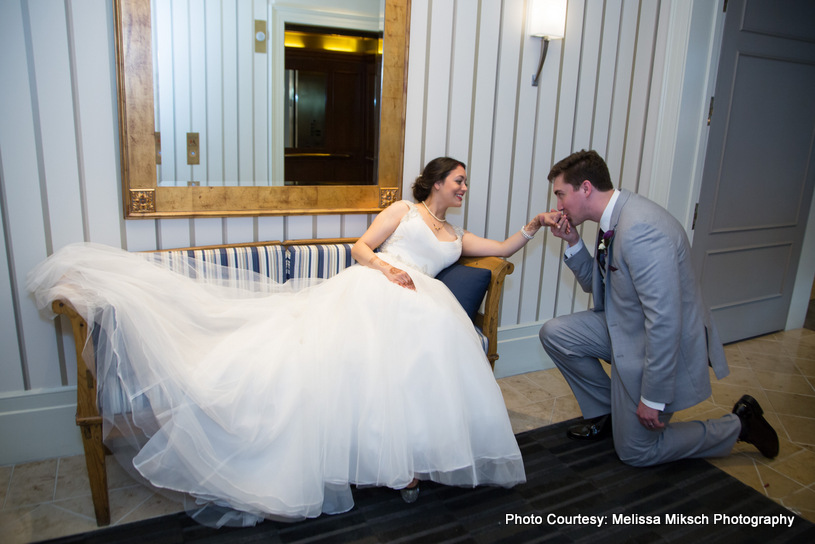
{"type": "Point", "coordinates": [525, 234]}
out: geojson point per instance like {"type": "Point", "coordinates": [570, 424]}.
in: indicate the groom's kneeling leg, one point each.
{"type": "Point", "coordinates": [575, 344]}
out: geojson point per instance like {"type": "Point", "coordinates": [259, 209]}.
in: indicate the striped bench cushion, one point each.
{"type": "Point", "coordinates": [268, 260]}
{"type": "Point", "coordinates": [318, 260]}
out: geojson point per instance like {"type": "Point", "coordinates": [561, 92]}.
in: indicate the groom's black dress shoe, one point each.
{"type": "Point", "coordinates": [754, 428]}
{"type": "Point", "coordinates": [591, 429]}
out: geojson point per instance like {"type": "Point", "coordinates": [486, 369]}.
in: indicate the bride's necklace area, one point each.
{"type": "Point", "coordinates": [442, 221]}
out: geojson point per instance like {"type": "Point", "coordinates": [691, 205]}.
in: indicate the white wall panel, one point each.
{"type": "Point", "coordinates": [15, 99]}
{"type": "Point", "coordinates": [328, 226]}
{"type": "Point", "coordinates": [462, 72]}
{"type": "Point", "coordinates": [246, 93]}
{"type": "Point", "coordinates": [141, 235]}
{"type": "Point", "coordinates": [207, 231]}
{"type": "Point", "coordinates": [483, 91]}
{"type": "Point", "coordinates": [55, 109]}
{"type": "Point", "coordinates": [271, 228]}
{"type": "Point", "coordinates": [96, 116]}
{"type": "Point", "coordinates": [640, 89]}
{"type": "Point", "coordinates": [520, 211]}
{"type": "Point", "coordinates": [414, 109]}
{"type": "Point", "coordinates": [239, 229]}
{"type": "Point", "coordinates": [564, 133]}
{"type": "Point", "coordinates": [24, 213]}
{"type": "Point", "coordinates": [504, 121]}
{"type": "Point", "coordinates": [437, 96]}
{"type": "Point", "coordinates": [354, 226]}
{"type": "Point", "coordinates": [627, 32]}
{"type": "Point", "coordinates": [469, 96]}
{"type": "Point", "coordinates": [173, 233]}
{"type": "Point", "coordinates": [213, 144]}
{"type": "Point", "coordinates": [605, 74]}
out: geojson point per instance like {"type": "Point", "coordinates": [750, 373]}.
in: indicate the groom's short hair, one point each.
{"type": "Point", "coordinates": [583, 165]}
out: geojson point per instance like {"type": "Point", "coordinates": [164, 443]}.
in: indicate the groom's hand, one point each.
{"type": "Point", "coordinates": [563, 229]}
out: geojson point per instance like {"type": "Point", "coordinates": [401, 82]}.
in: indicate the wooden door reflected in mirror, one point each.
{"type": "Point", "coordinates": [144, 198]}
{"type": "Point", "coordinates": [331, 106]}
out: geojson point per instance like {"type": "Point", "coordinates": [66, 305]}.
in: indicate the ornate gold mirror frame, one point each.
{"type": "Point", "coordinates": [143, 199]}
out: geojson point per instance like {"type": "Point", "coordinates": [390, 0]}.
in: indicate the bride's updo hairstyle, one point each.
{"type": "Point", "coordinates": [436, 170]}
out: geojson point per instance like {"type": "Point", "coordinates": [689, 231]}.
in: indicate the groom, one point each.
{"type": "Point", "coordinates": [648, 321]}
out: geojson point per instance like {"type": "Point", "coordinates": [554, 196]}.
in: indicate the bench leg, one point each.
{"type": "Point", "coordinates": [97, 470]}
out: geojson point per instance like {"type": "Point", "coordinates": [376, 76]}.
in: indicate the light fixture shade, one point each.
{"type": "Point", "coordinates": [547, 18]}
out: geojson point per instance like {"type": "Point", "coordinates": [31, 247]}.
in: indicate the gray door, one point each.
{"type": "Point", "coordinates": [759, 166]}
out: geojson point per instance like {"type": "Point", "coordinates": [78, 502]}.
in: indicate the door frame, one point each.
{"type": "Point", "coordinates": [688, 83]}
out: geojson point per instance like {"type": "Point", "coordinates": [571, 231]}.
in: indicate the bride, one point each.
{"type": "Point", "coordinates": [271, 401]}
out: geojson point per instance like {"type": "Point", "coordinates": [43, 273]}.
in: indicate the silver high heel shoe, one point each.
{"type": "Point", "coordinates": [410, 494]}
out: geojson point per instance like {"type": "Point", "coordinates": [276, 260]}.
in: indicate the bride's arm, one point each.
{"type": "Point", "coordinates": [381, 228]}
{"type": "Point", "coordinates": [476, 246]}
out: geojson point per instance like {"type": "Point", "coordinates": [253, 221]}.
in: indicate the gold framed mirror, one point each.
{"type": "Point", "coordinates": [144, 199]}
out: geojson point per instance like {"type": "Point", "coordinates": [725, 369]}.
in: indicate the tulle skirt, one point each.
{"type": "Point", "coordinates": [272, 400]}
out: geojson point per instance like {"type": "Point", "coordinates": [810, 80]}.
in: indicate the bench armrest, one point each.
{"type": "Point", "coordinates": [487, 320]}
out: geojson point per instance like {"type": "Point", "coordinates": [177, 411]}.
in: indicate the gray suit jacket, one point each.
{"type": "Point", "coordinates": [662, 334]}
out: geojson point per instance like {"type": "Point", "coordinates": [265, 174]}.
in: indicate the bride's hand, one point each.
{"type": "Point", "coordinates": [399, 277]}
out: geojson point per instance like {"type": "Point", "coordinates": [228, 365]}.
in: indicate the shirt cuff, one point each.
{"type": "Point", "coordinates": [572, 250]}
{"type": "Point", "coordinates": [655, 405]}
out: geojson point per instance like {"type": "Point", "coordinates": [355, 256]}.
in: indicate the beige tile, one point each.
{"type": "Point", "coordinates": [118, 477]}
{"type": "Point", "coordinates": [808, 515]}
{"type": "Point", "coordinates": [566, 408]}
{"type": "Point", "coordinates": [41, 522]}
{"type": "Point", "coordinates": [734, 356]}
{"type": "Point", "coordinates": [725, 395]}
{"type": "Point", "coordinates": [800, 500]}
{"type": "Point", "coordinates": [153, 507]}
{"type": "Point", "coordinates": [800, 430]}
{"type": "Point", "coordinates": [541, 411]}
{"type": "Point", "coordinates": [775, 484]}
{"type": "Point", "coordinates": [32, 483]}
{"type": "Point", "coordinates": [784, 383]}
{"type": "Point", "coordinates": [794, 335]}
{"type": "Point", "coordinates": [766, 344]}
{"type": "Point", "coordinates": [5, 478]}
{"type": "Point", "coordinates": [512, 398]}
{"type": "Point", "coordinates": [72, 478]}
{"type": "Point", "coordinates": [739, 376]}
{"type": "Point", "coordinates": [126, 500]}
{"type": "Point", "coordinates": [805, 366]}
{"type": "Point", "coordinates": [772, 362]}
{"type": "Point", "coordinates": [742, 468]}
{"type": "Point", "coordinates": [792, 404]}
{"type": "Point", "coordinates": [551, 383]}
{"type": "Point", "coordinates": [799, 467]}
{"type": "Point", "coordinates": [526, 387]}
{"type": "Point", "coordinates": [81, 506]}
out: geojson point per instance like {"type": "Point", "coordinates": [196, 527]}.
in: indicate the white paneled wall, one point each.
{"type": "Point", "coordinates": [469, 96]}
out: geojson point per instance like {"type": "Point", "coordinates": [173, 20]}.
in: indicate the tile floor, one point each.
{"type": "Point", "coordinates": [51, 498]}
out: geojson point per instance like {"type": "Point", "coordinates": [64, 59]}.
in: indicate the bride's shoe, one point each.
{"type": "Point", "coordinates": [410, 494]}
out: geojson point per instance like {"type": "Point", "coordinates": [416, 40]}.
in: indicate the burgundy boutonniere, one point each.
{"type": "Point", "coordinates": [602, 249]}
{"type": "Point", "coordinates": [606, 240]}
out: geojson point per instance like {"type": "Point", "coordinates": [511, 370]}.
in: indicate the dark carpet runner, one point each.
{"type": "Point", "coordinates": [575, 492]}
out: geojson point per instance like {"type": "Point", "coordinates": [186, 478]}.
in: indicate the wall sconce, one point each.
{"type": "Point", "coordinates": [547, 20]}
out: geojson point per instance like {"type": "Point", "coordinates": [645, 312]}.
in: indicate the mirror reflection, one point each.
{"type": "Point", "coordinates": [267, 93]}
{"type": "Point", "coordinates": [331, 106]}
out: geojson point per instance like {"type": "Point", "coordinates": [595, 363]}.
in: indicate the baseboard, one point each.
{"type": "Point", "coordinates": [520, 351]}
{"type": "Point", "coordinates": [36, 425]}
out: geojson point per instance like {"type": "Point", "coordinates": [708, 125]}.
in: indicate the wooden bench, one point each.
{"type": "Point", "coordinates": [286, 255]}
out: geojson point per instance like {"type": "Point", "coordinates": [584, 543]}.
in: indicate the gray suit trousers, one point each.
{"type": "Point", "coordinates": [575, 343]}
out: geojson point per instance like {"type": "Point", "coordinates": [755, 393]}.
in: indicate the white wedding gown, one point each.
{"type": "Point", "coordinates": [272, 401]}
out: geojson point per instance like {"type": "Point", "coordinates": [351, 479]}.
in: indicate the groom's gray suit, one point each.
{"type": "Point", "coordinates": [650, 323]}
